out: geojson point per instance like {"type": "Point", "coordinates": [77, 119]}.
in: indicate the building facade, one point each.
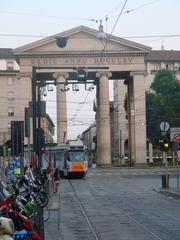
{"type": "Point", "coordinates": [10, 102]}
{"type": "Point", "coordinates": [155, 60]}
{"type": "Point", "coordinates": [123, 61]}
{"type": "Point", "coordinates": [14, 97]}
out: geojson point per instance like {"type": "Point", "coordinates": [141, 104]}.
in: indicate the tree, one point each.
{"type": "Point", "coordinates": [162, 103]}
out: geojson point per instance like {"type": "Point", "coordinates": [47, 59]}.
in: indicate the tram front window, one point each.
{"type": "Point", "coordinates": [76, 156]}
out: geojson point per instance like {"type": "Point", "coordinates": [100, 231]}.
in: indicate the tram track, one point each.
{"type": "Point", "coordinates": [140, 224]}
{"type": "Point", "coordinates": [94, 231]}
{"type": "Point", "coordinates": [83, 210]}
{"type": "Point", "coordinates": [143, 226]}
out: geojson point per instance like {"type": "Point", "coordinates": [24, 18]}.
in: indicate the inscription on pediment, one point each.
{"type": "Point", "coordinates": [81, 60]}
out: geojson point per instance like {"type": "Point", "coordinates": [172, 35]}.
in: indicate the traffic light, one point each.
{"type": "Point", "coordinates": [41, 140]}
{"type": "Point", "coordinates": [165, 145]}
{"type": "Point", "coordinates": [81, 74]}
{"type": "Point", "coordinates": [1, 150]}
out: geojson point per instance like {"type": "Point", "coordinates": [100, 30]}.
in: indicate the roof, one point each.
{"type": "Point", "coordinates": [75, 143]}
{"type": "Point", "coordinates": [163, 55]}
{"type": "Point", "coordinates": [6, 53]}
{"type": "Point", "coordinates": [91, 33]}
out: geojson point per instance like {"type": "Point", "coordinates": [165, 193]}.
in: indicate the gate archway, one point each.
{"type": "Point", "coordinates": [104, 58]}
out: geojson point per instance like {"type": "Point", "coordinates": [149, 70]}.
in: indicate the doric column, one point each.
{"type": "Point", "coordinates": [138, 117]}
{"type": "Point", "coordinates": [131, 125]}
{"type": "Point", "coordinates": [103, 119]}
{"type": "Point", "coordinates": [61, 107]}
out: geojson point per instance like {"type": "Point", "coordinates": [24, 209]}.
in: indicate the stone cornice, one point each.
{"type": "Point", "coordinates": [24, 74]}
{"type": "Point", "coordinates": [84, 54]}
{"type": "Point", "coordinates": [4, 72]}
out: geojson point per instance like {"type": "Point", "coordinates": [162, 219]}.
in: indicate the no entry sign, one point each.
{"type": "Point", "coordinates": [175, 134]}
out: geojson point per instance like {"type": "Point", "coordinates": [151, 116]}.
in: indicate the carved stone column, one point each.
{"type": "Point", "coordinates": [103, 119]}
{"type": "Point", "coordinates": [138, 117]}
{"type": "Point", "coordinates": [131, 130]}
{"type": "Point", "coordinates": [61, 107]}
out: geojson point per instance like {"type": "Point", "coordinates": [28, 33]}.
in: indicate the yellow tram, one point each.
{"type": "Point", "coordinates": [71, 159]}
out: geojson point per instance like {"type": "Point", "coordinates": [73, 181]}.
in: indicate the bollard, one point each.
{"type": "Point", "coordinates": [165, 180]}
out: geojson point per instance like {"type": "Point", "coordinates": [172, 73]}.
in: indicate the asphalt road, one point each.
{"type": "Point", "coordinates": [113, 205]}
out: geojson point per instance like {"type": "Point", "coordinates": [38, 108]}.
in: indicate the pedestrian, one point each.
{"type": "Point", "coordinates": [56, 180]}
{"type": "Point", "coordinates": [50, 179]}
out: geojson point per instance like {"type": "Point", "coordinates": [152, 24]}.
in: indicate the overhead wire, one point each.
{"type": "Point", "coordinates": [111, 33]}
{"type": "Point", "coordinates": [119, 15]}
{"type": "Point", "coordinates": [141, 6]}
{"type": "Point", "coordinates": [49, 16]}
{"type": "Point", "coordinates": [127, 37]}
{"type": "Point", "coordinates": [76, 112]}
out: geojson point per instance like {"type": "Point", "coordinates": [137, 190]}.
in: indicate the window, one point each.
{"type": "Point", "coordinates": [11, 95]}
{"type": "Point", "coordinates": [76, 156]}
{"type": "Point", "coordinates": [170, 66]}
{"type": "Point", "coordinates": [10, 65]}
{"type": "Point", "coordinates": [10, 81]}
{"type": "Point", "coordinates": [157, 66]}
{"type": "Point", "coordinates": [10, 111]}
{"type": "Point", "coordinates": [10, 114]}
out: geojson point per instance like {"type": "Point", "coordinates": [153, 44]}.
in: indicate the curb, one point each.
{"type": "Point", "coordinates": [169, 193]}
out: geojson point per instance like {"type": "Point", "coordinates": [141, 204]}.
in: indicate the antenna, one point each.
{"type": "Point", "coordinates": [101, 26]}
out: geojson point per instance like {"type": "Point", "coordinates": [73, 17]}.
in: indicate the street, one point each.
{"type": "Point", "coordinates": [115, 204]}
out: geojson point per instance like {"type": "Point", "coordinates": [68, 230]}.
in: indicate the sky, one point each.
{"type": "Point", "coordinates": [23, 22]}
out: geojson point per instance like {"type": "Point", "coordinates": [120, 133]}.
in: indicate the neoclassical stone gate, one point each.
{"type": "Point", "coordinates": [120, 59]}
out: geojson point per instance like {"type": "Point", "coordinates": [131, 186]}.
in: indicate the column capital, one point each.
{"type": "Point", "coordinates": [133, 73]}
{"type": "Point", "coordinates": [101, 73]}
{"type": "Point", "coordinates": [57, 75]}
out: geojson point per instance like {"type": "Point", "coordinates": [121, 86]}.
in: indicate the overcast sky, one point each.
{"type": "Point", "coordinates": [35, 19]}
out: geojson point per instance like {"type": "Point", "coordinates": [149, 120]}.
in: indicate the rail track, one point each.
{"type": "Point", "coordinates": [92, 227]}
{"type": "Point", "coordinates": [83, 210]}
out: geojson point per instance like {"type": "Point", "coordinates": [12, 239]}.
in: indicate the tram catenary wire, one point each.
{"type": "Point", "coordinates": [90, 224]}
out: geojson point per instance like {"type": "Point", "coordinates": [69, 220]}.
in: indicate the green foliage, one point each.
{"type": "Point", "coordinates": [163, 104]}
{"type": "Point", "coordinates": [165, 82]}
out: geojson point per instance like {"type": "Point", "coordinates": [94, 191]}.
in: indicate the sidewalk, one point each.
{"type": "Point", "coordinates": [63, 215]}
{"type": "Point", "coordinates": [52, 226]}
{"type": "Point", "coordinates": [171, 192]}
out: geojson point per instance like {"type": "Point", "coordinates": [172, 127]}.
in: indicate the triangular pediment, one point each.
{"type": "Point", "coordinates": [81, 39]}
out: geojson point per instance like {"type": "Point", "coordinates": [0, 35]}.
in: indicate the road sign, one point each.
{"type": "Point", "coordinates": [164, 126]}
{"type": "Point", "coordinates": [163, 133]}
{"type": "Point", "coordinates": [175, 134]}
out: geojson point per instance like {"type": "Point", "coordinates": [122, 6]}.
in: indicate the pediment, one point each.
{"type": "Point", "coordinates": [81, 39]}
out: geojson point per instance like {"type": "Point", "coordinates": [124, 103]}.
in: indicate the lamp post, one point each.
{"type": "Point", "coordinates": [34, 115]}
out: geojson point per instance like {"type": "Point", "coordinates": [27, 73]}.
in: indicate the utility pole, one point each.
{"type": "Point", "coordinates": [129, 124]}
{"type": "Point", "coordinates": [36, 143]}
{"type": "Point", "coordinates": [34, 114]}
{"type": "Point", "coordinates": [164, 127]}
